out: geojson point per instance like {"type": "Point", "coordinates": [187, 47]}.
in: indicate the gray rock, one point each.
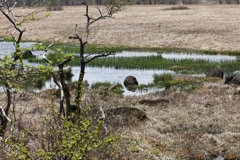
{"type": "Point", "coordinates": [124, 116]}
{"type": "Point", "coordinates": [233, 78]}
{"type": "Point", "coordinates": [216, 72]}
{"type": "Point", "coordinates": [130, 80]}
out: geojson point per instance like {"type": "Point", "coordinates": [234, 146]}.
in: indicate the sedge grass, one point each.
{"type": "Point", "coordinates": [192, 66]}
{"type": "Point", "coordinates": [108, 86]}
{"type": "Point", "coordinates": [183, 66]}
{"type": "Point", "coordinates": [90, 48]}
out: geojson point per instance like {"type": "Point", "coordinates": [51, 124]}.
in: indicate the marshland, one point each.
{"type": "Point", "coordinates": [193, 117]}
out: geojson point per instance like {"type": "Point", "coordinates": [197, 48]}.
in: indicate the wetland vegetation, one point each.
{"type": "Point", "coordinates": [185, 66]}
{"type": "Point", "coordinates": [195, 117]}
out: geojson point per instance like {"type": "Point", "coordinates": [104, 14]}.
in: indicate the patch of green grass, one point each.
{"type": "Point", "coordinates": [171, 82]}
{"type": "Point", "coordinates": [159, 79]}
{"type": "Point", "coordinates": [210, 52]}
{"type": "Point", "coordinates": [155, 62]}
{"type": "Point", "coordinates": [107, 86]}
{"type": "Point", "coordinates": [8, 39]}
{"type": "Point", "coordinates": [183, 66]}
{"type": "Point", "coordinates": [101, 84]}
{"type": "Point", "coordinates": [90, 48]}
{"type": "Point", "coordinates": [149, 85]}
{"type": "Point", "coordinates": [234, 53]}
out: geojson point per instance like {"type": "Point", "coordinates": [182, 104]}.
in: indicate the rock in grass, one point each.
{"type": "Point", "coordinates": [233, 78]}
{"type": "Point", "coordinates": [216, 72]}
{"type": "Point", "coordinates": [27, 54]}
{"type": "Point", "coordinates": [124, 116]}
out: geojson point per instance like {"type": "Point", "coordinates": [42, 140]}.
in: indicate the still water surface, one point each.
{"type": "Point", "coordinates": [103, 74]}
{"type": "Point", "coordinates": [99, 74]}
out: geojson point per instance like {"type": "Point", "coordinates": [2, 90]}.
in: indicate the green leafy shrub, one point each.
{"type": "Point", "coordinates": [79, 138]}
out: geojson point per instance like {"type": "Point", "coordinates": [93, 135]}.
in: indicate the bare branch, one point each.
{"type": "Point", "coordinates": [53, 42]}
{"type": "Point", "coordinates": [9, 18]}
{"type": "Point", "coordinates": [102, 118]}
{"type": "Point", "coordinates": [45, 52]}
{"type": "Point", "coordinates": [4, 114]}
{"type": "Point", "coordinates": [62, 110]}
{"type": "Point", "coordinates": [13, 6]}
{"type": "Point", "coordinates": [75, 35]}
{"type": "Point", "coordinates": [64, 62]}
{"type": "Point", "coordinates": [97, 56]}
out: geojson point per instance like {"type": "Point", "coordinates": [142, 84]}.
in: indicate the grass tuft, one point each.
{"type": "Point", "coordinates": [179, 8]}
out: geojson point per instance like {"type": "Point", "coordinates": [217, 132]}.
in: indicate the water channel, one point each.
{"type": "Point", "coordinates": [112, 75]}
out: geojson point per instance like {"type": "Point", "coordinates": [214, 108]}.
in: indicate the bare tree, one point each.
{"type": "Point", "coordinates": [107, 12]}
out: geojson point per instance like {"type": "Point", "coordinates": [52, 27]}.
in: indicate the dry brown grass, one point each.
{"type": "Point", "coordinates": [200, 27]}
{"type": "Point", "coordinates": [201, 124]}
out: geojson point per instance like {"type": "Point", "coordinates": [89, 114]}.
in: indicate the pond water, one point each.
{"type": "Point", "coordinates": [135, 54]}
{"type": "Point", "coordinates": [112, 75]}
{"type": "Point", "coordinates": [97, 74]}
{"type": "Point", "coordinates": [215, 58]}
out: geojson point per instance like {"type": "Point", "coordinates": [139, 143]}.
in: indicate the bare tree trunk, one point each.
{"type": "Point", "coordinates": [3, 118]}
{"type": "Point", "coordinates": [81, 76]}
{"type": "Point", "coordinates": [66, 92]}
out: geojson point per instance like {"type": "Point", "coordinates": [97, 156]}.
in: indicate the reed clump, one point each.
{"type": "Point", "coordinates": [180, 7]}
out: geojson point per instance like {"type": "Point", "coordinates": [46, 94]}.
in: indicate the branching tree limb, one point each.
{"type": "Point", "coordinates": [107, 12]}
{"type": "Point", "coordinates": [65, 95]}
{"type": "Point", "coordinates": [16, 20]}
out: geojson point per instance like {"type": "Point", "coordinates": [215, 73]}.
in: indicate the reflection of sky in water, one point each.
{"type": "Point", "coordinates": [7, 48]}
{"type": "Point", "coordinates": [132, 54]}
{"type": "Point", "coordinates": [95, 74]}
{"type": "Point", "coordinates": [216, 58]}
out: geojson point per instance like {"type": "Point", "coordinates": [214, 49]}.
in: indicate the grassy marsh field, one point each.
{"type": "Point", "coordinates": [206, 27]}
{"type": "Point", "coordinates": [200, 123]}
